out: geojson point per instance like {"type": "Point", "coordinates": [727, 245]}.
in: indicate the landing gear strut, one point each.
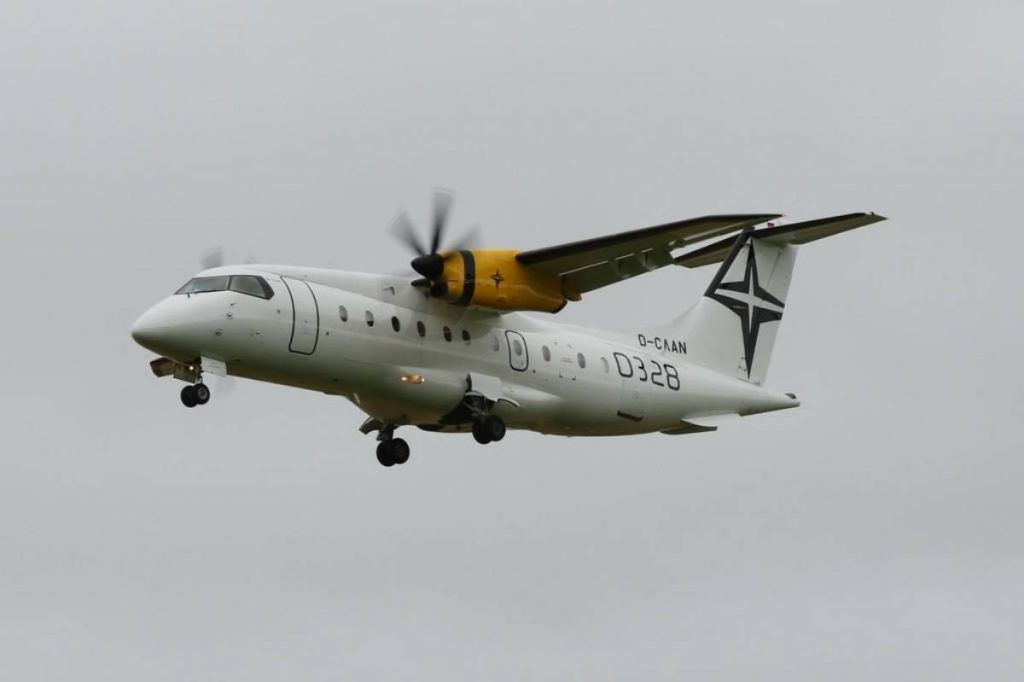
{"type": "Point", "coordinates": [391, 450]}
{"type": "Point", "coordinates": [195, 394]}
{"type": "Point", "coordinates": [488, 429]}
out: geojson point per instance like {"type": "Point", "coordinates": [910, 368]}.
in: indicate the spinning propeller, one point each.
{"type": "Point", "coordinates": [215, 257]}
{"type": "Point", "coordinates": [429, 263]}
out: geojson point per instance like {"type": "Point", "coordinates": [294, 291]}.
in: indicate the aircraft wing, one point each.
{"type": "Point", "coordinates": [593, 263]}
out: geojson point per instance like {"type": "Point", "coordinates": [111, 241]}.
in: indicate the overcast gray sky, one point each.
{"type": "Point", "coordinates": [874, 533]}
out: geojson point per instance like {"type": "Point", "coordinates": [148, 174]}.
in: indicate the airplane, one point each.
{"type": "Point", "coordinates": [452, 351]}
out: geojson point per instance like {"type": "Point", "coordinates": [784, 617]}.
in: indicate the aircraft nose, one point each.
{"type": "Point", "coordinates": [146, 330]}
{"type": "Point", "coordinates": [176, 327]}
{"type": "Point", "coordinates": [163, 328]}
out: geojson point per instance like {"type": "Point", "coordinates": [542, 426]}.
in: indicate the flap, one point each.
{"type": "Point", "coordinates": [794, 233]}
{"type": "Point", "coordinates": [593, 263]}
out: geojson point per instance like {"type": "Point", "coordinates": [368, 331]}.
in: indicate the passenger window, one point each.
{"type": "Point", "coordinates": [369, 319]}
{"type": "Point", "coordinates": [546, 352]}
{"type": "Point", "coordinates": [465, 336]}
{"type": "Point", "coordinates": [604, 361]}
{"type": "Point", "coordinates": [517, 347]}
{"type": "Point", "coordinates": [395, 324]}
{"type": "Point", "coordinates": [251, 285]}
{"type": "Point", "coordinates": [447, 334]}
{"type": "Point", "coordinates": [343, 313]}
{"type": "Point", "coordinates": [201, 285]}
{"type": "Point", "coordinates": [495, 344]}
{"type": "Point", "coordinates": [421, 329]}
{"type": "Point", "coordinates": [581, 360]}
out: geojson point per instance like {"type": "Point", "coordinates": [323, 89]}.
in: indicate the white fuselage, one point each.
{"type": "Point", "coordinates": [315, 332]}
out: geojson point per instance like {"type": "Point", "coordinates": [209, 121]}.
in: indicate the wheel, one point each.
{"type": "Point", "coordinates": [399, 451]}
{"type": "Point", "coordinates": [494, 426]}
{"type": "Point", "coordinates": [188, 396]}
{"type": "Point", "coordinates": [202, 393]}
{"type": "Point", "coordinates": [384, 453]}
{"type": "Point", "coordinates": [480, 433]}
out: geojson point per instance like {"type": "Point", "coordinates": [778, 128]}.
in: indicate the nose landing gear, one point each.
{"type": "Point", "coordinates": [488, 429]}
{"type": "Point", "coordinates": [391, 450]}
{"type": "Point", "coordinates": [195, 394]}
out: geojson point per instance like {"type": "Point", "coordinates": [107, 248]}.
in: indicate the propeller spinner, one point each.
{"type": "Point", "coordinates": [429, 263]}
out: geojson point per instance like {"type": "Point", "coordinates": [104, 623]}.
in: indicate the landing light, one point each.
{"type": "Point", "coordinates": [412, 379]}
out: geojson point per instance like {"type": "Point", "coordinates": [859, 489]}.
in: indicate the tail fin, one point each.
{"type": "Point", "coordinates": [732, 328]}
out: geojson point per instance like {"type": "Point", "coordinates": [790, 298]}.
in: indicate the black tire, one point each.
{"type": "Point", "coordinates": [494, 426]}
{"type": "Point", "coordinates": [202, 393]}
{"type": "Point", "coordinates": [399, 451]}
{"type": "Point", "coordinates": [384, 453]}
{"type": "Point", "coordinates": [188, 396]}
{"type": "Point", "coordinates": [480, 433]}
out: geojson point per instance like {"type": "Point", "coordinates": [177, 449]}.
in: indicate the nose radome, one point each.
{"type": "Point", "coordinates": [176, 326]}
{"type": "Point", "coordinates": [145, 330]}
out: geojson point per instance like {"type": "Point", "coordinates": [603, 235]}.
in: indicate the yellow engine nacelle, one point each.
{"type": "Point", "coordinates": [493, 278]}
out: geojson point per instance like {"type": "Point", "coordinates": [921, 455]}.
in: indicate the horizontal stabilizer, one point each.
{"type": "Point", "coordinates": [795, 233]}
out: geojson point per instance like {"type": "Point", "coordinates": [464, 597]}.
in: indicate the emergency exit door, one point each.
{"type": "Point", "coordinates": [518, 353]}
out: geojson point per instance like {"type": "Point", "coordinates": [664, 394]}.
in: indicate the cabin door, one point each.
{"type": "Point", "coordinates": [305, 317]}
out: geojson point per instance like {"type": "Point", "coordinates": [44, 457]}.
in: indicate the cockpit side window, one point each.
{"type": "Point", "coordinates": [251, 285]}
{"type": "Point", "coordinates": [201, 285]}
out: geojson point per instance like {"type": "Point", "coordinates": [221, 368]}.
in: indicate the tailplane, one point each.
{"type": "Point", "coordinates": [732, 328]}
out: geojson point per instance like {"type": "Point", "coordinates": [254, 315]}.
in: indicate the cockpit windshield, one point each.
{"type": "Point", "coordinates": [201, 285]}
{"type": "Point", "coordinates": [251, 285]}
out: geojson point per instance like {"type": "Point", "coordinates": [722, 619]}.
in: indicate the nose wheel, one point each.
{"type": "Point", "coordinates": [195, 394]}
{"type": "Point", "coordinates": [489, 429]}
{"type": "Point", "coordinates": [391, 450]}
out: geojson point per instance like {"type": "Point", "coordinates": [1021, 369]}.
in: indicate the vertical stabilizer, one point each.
{"type": "Point", "coordinates": [732, 328]}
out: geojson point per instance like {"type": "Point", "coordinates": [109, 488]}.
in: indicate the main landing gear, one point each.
{"type": "Point", "coordinates": [195, 394]}
{"type": "Point", "coordinates": [391, 450]}
{"type": "Point", "coordinates": [488, 429]}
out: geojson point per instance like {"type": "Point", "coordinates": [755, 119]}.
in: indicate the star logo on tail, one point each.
{"type": "Point", "coordinates": [751, 303]}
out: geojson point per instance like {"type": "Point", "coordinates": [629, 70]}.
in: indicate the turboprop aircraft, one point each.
{"type": "Point", "coordinates": [451, 350]}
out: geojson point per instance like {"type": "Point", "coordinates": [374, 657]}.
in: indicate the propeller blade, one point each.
{"type": "Point", "coordinates": [403, 231]}
{"type": "Point", "coordinates": [212, 258]}
{"type": "Point", "coordinates": [442, 207]}
{"type": "Point", "coordinates": [469, 241]}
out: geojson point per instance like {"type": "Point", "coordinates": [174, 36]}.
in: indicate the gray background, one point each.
{"type": "Point", "coordinates": [873, 533]}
